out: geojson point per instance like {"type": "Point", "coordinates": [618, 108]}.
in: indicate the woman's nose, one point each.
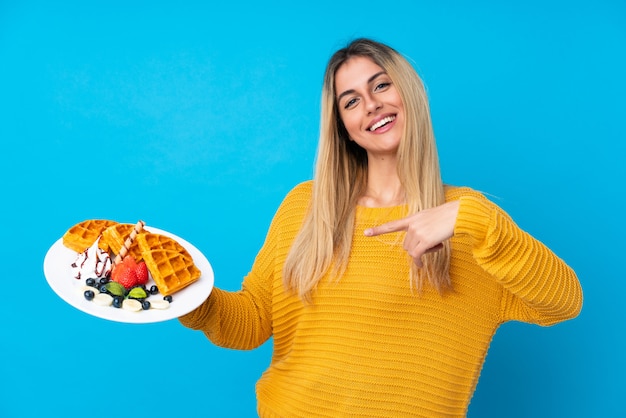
{"type": "Point", "coordinates": [372, 104]}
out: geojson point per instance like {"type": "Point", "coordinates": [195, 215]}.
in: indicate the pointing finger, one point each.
{"type": "Point", "coordinates": [393, 226]}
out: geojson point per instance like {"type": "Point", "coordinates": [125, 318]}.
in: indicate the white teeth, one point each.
{"type": "Point", "coordinates": [381, 123]}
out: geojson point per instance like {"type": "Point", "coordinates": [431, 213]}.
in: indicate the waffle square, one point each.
{"type": "Point", "coordinates": [151, 242]}
{"type": "Point", "coordinates": [170, 270]}
{"type": "Point", "coordinates": [114, 236]}
{"type": "Point", "coordinates": [82, 235]}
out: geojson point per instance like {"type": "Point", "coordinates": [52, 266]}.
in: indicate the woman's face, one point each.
{"type": "Point", "coordinates": [369, 106]}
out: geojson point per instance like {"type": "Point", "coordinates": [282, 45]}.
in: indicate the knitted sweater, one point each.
{"type": "Point", "coordinates": [370, 346]}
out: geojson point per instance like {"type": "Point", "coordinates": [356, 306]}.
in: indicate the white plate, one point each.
{"type": "Point", "coordinates": [58, 272]}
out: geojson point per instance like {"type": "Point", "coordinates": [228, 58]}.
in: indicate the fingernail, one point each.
{"type": "Point", "coordinates": [368, 232]}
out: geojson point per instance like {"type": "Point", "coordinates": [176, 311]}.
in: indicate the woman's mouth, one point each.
{"type": "Point", "coordinates": [382, 123]}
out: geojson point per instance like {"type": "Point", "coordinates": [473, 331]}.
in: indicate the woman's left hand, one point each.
{"type": "Point", "coordinates": [425, 230]}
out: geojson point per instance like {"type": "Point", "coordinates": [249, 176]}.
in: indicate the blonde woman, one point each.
{"type": "Point", "coordinates": [382, 287]}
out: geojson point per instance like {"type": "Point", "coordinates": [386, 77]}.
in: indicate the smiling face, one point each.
{"type": "Point", "coordinates": [370, 106]}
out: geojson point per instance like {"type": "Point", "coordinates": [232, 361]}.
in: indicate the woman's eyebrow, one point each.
{"type": "Point", "coordinates": [369, 80]}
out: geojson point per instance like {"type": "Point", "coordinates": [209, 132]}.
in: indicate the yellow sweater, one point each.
{"type": "Point", "coordinates": [367, 345]}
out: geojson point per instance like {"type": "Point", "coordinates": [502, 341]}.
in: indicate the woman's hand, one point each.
{"type": "Point", "coordinates": [425, 230]}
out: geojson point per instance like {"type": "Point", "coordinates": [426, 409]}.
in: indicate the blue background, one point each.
{"type": "Point", "coordinates": [198, 117]}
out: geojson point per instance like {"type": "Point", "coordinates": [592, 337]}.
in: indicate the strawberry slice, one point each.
{"type": "Point", "coordinates": [142, 273]}
{"type": "Point", "coordinates": [125, 273]}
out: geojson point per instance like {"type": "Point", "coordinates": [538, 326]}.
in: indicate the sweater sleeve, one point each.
{"type": "Point", "coordinates": [538, 286]}
{"type": "Point", "coordinates": [242, 319]}
{"type": "Point", "coordinates": [237, 320]}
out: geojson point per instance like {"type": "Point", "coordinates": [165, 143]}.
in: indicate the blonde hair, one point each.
{"type": "Point", "coordinates": [324, 241]}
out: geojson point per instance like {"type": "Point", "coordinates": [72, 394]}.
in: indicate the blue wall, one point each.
{"type": "Point", "coordinates": [198, 119]}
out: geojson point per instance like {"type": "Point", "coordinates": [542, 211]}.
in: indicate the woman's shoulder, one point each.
{"type": "Point", "coordinates": [300, 192]}
{"type": "Point", "coordinates": [473, 198]}
{"type": "Point", "coordinates": [306, 188]}
{"type": "Point", "coordinates": [458, 192]}
{"type": "Point", "coordinates": [298, 197]}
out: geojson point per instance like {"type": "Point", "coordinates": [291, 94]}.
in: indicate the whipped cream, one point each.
{"type": "Point", "coordinates": [93, 262]}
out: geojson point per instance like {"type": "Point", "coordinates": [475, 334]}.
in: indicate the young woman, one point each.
{"type": "Point", "coordinates": [381, 287]}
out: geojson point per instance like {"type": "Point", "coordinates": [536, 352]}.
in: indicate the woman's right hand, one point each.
{"type": "Point", "coordinates": [425, 230]}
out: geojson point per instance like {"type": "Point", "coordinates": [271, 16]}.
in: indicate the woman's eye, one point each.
{"type": "Point", "coordinates": [349, 103]}
{"type": "Point", "coordinates": [382, 86]}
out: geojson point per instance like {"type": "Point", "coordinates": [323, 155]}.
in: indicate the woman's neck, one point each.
{"type": "Point", "coordinates": [383, 185]}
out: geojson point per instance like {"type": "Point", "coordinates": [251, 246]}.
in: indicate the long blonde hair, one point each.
{"type": "Point", "coordinates": [324, 241]}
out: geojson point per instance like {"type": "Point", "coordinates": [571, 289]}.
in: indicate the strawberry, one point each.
{"type": "Point", "coordinates": [142, 273]}
{"type": "Point", "coordinates": [125, 273]}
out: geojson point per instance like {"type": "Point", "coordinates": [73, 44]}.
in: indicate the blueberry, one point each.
{"type": "Point", "coordinates": [117, 301]}
{"type": "Point", "coordinates": [104, 280]}
{"type": "Point", "coordinates": [89, 294]}
{"type": "Point", "coordinates": [103, 289]}
{"type": "Point", "coordinates": [154, 290]}
{"type": "Point", "coordinates": [145, 305]}
{"type": "Point", "coordinates": [91, 282]}
{"type": "Point", "coordinates": [168, 298]}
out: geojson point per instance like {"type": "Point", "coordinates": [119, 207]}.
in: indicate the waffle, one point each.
{"type": "Point", "coordinates": [82, 235]}
{"type": "Point", "coordinates": [113, 239]}
{"type": "Point", "coordinates": [151, 242]}
{"type": "Point", "coordinates": [170, 270]}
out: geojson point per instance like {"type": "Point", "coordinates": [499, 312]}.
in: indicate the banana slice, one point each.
{"type": "Point", "coordinates": [159, 304]}
{"type": "Point", "coordinates": [82, 289]}
{"type": "Point", "coordinates": [103, 299]}
{"type": "Point", "coordinates": [131, 305]}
